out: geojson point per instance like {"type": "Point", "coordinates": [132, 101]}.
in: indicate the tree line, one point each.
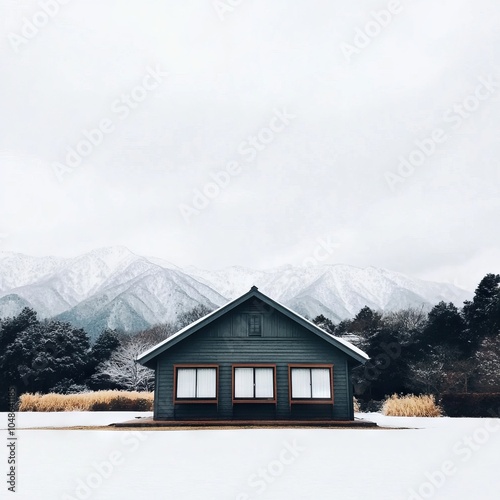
{"type": "Point", "coordinates": [445, 350]}
{"type": "Point", "coordinates": [53, 356]}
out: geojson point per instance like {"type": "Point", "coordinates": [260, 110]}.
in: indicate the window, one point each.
{"type": "Point", "coordinates": [254, 325]}
{"type": "Point", "coordinates": [254, 383]}
{"type": "Point", "coordinates": [311, 383]}
{"type": "Point", "coordinates": [196, 383]}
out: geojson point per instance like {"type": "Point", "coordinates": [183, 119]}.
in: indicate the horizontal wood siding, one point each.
{"type": "Point", "coordinates": [283, 341]}
{"type": "Point", "coordinates": [274, 324]}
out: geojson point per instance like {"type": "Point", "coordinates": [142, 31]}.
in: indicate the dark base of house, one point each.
{"type": "Point", "coordinates": [149, 422]}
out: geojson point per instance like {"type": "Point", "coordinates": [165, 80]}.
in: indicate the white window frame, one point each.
{"type": "Point", "coordinates": [310, 399]}
{"type": "Point", "coordinates": [254, 399]}
{"type": "Point", "coordinates": [195, 399]}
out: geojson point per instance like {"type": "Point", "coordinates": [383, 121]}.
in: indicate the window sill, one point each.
{"type": "Point", "coordinates": [254, 401]}
{"type": "Point", "coordinates": [195, 401]}
{"type": "Point", "coordinates": [311, 401]}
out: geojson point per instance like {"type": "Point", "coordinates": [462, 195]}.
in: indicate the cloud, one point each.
{"type": "Point", "coordinates": [323, 176]}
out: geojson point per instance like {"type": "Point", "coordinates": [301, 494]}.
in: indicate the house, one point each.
{"type": "Point", "coordinates": [253, 359]}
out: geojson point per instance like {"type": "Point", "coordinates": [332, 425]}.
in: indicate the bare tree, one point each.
{"type": "Point", "coordinates": [443, 370]}
{"type": "Point", "coordinates": [428, 375]}
{"type": "Point", "coordinates": [123, 370]}
{"type": "Point", "coordinates": [407, 321]}
{"type": "Point", "coordinates": [189, 317]}
{"type": "Point", "coordinates": [488, 360]}
{"type": "Point", "coordinates": [156, 334]}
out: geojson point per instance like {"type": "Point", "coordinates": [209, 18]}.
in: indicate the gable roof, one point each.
{"type": "Point", "coordinates": [147, 358]}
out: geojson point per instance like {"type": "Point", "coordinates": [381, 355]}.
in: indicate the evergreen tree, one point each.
{"type": "Point", "coordinates": [343, 328]}
{"type": "Point", "coordinates": [389, 341]}
{"type": "Point", "coordinates": [324, 323]}
{"type": "Point", "coordinates": [43, 354]}
{"type": "Point", "coordinates": [10, 328]}
{"type": "Point", "coordinates": [482, 314]}
{"type": "Point", "coordinates": [444, 326]}
{"type": "Point", "coordinates": [103, 348]}
{"type": "Point", "coordinates": [387, 370]}
{"type": "Point", "coordinates": [366, 322]}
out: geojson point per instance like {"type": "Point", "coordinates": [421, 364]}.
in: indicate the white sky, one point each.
{"type": "Point", "coordinates": [321, 178]}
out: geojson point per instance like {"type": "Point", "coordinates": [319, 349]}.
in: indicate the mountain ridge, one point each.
{"type": "Point", "coordinates": [116, 288]}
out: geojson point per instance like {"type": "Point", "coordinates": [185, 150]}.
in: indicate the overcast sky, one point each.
{"type": "Point", "coordinates": [312, 108]}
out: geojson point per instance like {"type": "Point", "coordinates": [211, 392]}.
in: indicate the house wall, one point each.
{"type": "Point", "coordinates": [225, 342]}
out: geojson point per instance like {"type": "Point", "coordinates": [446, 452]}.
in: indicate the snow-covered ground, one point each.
{"type": "Point", "coordinates": [29, 420]}
{"type": "Point", "coordinates": [440, 458]}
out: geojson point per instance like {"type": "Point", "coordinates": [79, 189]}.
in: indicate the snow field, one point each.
{"type": "Point", "coordinates": [439, 458]}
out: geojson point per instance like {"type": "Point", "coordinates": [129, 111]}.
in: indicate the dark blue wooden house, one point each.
{"type": "Point", "coordinates": [253, 359]}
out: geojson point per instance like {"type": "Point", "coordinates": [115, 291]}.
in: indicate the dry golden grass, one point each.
{"type": "Point", "coordinates": [356, 405]}
{"type": "Point", "coordinates": [88, 401]}
{"type": "Point", "coordinates": [411, 406]}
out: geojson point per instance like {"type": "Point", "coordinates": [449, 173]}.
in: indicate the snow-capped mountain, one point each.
{"type": "Point", "coordinates": [336, 291]}
{"type": "Point", "coordinates": [113, 287]}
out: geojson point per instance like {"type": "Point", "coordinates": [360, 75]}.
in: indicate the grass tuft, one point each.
{"type": "Point", "coordinates": [88, 401]}
{"type": "Point", "coordinates": [356, 405]}
{"type": "Point", "coordinates": [411, 406]}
